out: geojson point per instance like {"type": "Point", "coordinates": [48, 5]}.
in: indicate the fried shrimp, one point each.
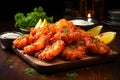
{"type": "Point", "coordinates": [74, 52]}
{"type": "Point", "coordinates": [22, 41]}
{"type": "Point", "coordinates": [60, 38]}
{"type": "Point", "coordinates": [37, 45]}
{"type": "Point", "coordinates": [51, 51]}
{"type": "Point", "coordinates": [68, 32]}
{"type": "Point", "coordinates": [39, 31]}
{"type": "Point", "coordinates": [96, 46]}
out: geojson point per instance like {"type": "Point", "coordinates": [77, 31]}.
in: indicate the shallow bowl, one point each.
{"type": "Point", "coordinates": [6, 39]}
{"type": "Point", "coordinates": [84, 23]}
{"type": "Point", "coordinates": [24, 31]}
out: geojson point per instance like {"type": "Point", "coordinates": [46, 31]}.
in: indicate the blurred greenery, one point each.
{"type": "Point", "coordinates": [26, 21]}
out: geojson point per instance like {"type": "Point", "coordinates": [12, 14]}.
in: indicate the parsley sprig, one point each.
{"type": "Point", "coordinates": [65, 30]}
{"type": "Point", "coordinates": [30, 71]}
{"type": "Point", "coordinates": [71, 75]}
{"type": "Point", "coordinates": [9, 61]}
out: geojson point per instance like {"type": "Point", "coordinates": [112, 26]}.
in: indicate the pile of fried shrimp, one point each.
{"type": "Point", "coordinates": [61, 38]}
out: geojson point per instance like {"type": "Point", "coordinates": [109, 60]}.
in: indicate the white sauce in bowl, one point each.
{"type": "Point", "coordinates": [81, 22]}
{"type": "Point", "coordinates": [9, 35]}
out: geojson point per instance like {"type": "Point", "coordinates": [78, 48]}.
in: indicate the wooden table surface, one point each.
{"type": "Point", "coordinates": [15, 70]}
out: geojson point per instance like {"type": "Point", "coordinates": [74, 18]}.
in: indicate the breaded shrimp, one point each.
{"type": "Point", "coordinates": [22, 41]}
{"type": "Point", "coordinates": [39, 31]}
{"type": "Point", "coordinates": [37, 45]}
{"type": "Point", "coordinates": [51, 51]}
{"type": "Point", "coordinates": [47, 42]}
{"type": "Point", "coordinates": [96, 46]}
{"type": "Point", "coordinates": [74, 52]}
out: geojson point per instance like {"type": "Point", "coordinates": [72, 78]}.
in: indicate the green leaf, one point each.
{"type": "Point", "coordinates": [9, 61]}
{"type": "Point", "coordinates": [31, 18]}
{"type": "Point", "coordinates": [71, 75]}
{"type": "Point", "coordinates": [65, 30]}
{"type": "Point", "coordinates": [39, 9]}
{"type": "Point", "coordinates": [30, 71]}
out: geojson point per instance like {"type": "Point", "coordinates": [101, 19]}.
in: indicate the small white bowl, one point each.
{"type": "Point", "coordinates": [84, 23]}
{"type": "Point", "coordinates": [6, 39]}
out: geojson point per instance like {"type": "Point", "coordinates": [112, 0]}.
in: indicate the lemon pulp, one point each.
{"type": "Point", "coordinates": [95, 30]}
{"type": "Point", "coordinates": [106, 37]}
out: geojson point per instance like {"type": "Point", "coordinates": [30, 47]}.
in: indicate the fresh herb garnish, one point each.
{"type": "Point", "coordinates": [26, 21]}
{"type": "Point", "coordinates": [81, 42]}
{"type": "Point", "coordinates": [65, 30]}
{"type": "Point", "coordinates": [71, 75]}
{"type": "Point", "coordinates": [30, 71]}
{"type": "Point", "coordinates": [98, 44]}
{"type": "Point", "coordinates": [9, 61]}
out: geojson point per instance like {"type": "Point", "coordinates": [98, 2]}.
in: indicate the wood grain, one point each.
{"type": "Point", "coordinates": [59, 64]}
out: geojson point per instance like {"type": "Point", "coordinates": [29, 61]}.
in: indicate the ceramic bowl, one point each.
{"type": "Point", "coordinates": [24, 31]}
{"type": "Point", "coordinates": [84, 23]}
{"type": "Point", "coordinates": [6, 39]}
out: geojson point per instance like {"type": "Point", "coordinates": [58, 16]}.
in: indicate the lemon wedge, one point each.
{"type": "Point", "coordinates": [95, 30]}
{"type": "Point", "coordinates": [44, 23]}
{"type": "Point", "coordinates": [106, 37]}
{"type": "Point", "coordinates": [38, 23]}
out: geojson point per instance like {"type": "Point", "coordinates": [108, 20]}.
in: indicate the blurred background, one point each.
{"type": "Point", "coordinates": [56, 8]}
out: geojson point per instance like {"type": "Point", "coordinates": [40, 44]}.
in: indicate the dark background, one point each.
{"type": "Point", "coordinates": [56, 8]}
{"type": "Point", "coordinates": [8, 8]}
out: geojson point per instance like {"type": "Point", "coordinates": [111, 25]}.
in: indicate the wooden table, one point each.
{"type": "Point", "coordinates": [15, 70]}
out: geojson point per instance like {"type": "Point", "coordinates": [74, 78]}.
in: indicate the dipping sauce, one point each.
{"type": "Point", "coordinates": [10, 35]}
{"type": "Point", "coordinates": [81, 22]}
{"type": "Point", "coordinates": [6, 39]}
